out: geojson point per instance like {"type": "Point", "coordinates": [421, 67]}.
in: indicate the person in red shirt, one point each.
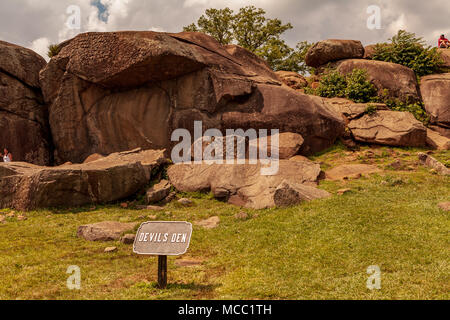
{"type": "Point", "coordinates": [443, 42]}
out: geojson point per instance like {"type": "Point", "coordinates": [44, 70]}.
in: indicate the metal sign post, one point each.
{"type": "Point", "coordinates": [163, 239]}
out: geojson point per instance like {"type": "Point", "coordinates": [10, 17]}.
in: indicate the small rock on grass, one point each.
{"type": "Point", "coordinates": [128, 238]}
{"type": "Point", "coordinates": [11, 214]}
{"type": "Point", "coordinates": [210, 223]}
{"type": "Point", "coordinates": [444, 206]}
{"type": "Point", "coordinates": [155, 208]}
{"type": "Point", "coordinates": [185, 202]}
{"type": "Point", "coordinates": [241, 215]}
{"type": "Point", "coordinates": [396, 165]}
{"type": "Point", "coordinates": [22, 218]}
{"type": "Point", "coordinates": [2, 219]}
{"type": "Point", "coordinates": [343, 191]}
{"type": "Point", "coordinates": [110, 249]}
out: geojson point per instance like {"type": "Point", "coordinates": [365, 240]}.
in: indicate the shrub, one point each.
{"type": "Point", "coordinates": [408, 50]}
{"type": "Point", "coordinates": [358, 88]}
{"type": "Point", "coordinates": [354, 86]}
{"type": "Point", "coordinates": [53, 50]}
{"type": "Point", "coordinates": [371, 109]}
{"type": "Point", "coordinates": [332, 85]}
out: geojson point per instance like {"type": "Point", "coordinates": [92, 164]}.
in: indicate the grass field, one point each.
{"type": "Point", "coordinates": [317, 250]}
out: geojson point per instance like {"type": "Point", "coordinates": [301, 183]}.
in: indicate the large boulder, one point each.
{"type": "Point", "coordinates": [290, 194]}
{"type": "Point", "coordinates": [333, 50]}
{"type": "Point", "coordinates": [288, 146]}
{"type": "Point", "coordinates": [109, 92]}
{"type": "Point", "coordinates": [292, 79]}
{"type": "Point", "coordinates": [390, 128]}
{"type": "Point", "coordinates": [437, 141]}
{"type": "Point", "coordinates": [23, 115]}
{"type": "Point", "coordinates": [397, 81]}
{"type": "Point", "coordinates": [445, 55]}
{"type": "Point", "coordinates": [243, 184]}
{"type": "Point", "coordinates": [435, 91]}
{"type": "Point", "coordinates": [432, 163]}
{"type": "Point", "coordinates": [25, 186]}
{"type": "Point", "coordinates": [288, 111]}
{"type": "Point", "coordinates": [369, 51]}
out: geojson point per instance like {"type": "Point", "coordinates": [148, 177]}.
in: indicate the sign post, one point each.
{"type": "Point", "coordinates": [162, 272]}
{"type": "Point", "coordinates": [163, 239]}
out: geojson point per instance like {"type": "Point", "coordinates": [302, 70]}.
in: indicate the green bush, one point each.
{"type": "Point", "coordinates": [408, 50]}
{"type": "Point", "coordinates": [354, 86]}
{"type": "Point", "coordinates": [358, 88]}
{"type": "Point", "coordinates": [371, 109]}
{"type": "Point", "coordinates": [53, 50]}
{"type": "Point", "coordinates": [332, 85]}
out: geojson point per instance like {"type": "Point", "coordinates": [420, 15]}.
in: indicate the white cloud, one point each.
{"type": "Point", "coordinates": [40, 46]}
{"type": "Point", "coordinates": [30, 22]}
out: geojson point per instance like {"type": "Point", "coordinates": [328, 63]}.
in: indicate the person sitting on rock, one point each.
{"type": "Point", "coordinates": [443, 42]}
{"type": "Point", "coordinates": [7, 156]}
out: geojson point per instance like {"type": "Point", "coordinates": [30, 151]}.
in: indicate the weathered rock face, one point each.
{"type": "Point", "coordinates": [399, 81]}
{"type": "Point", "coordinates": [435, 91]}
{"type": "Point", "coordinates": [369, 51]}
{"type": "Point", "coordinates": [292, 79]}
{"type": "Point", "coordinates": [445, 55]}
{"type": "Point", "coordinates": [314, 121]}
{"type": "Point", "coordinates": [389, 128]}
{"type": "Point", "coordinates": [351, 110]}
{"type": "Point", "coordinates": [104, 231]}
{"type": "Point", "coordinates": [23, 115]}
{"type": "Point", "coordinates": [441, 130]}
{"type": "Point", "coordinates": [437, 141]}
{"type": "Point", "coordinates": [25, 186]}
{"type": "Point", "coordinates": [158, 192]}
{"type": "Point", "coordinates": [333, 50]}
{"type": "Point", "coordinates": [109, 92]}
{"type": "Point", "coordinates": [290, 194]}
{"type": "Point", "coordinates": [242, 185]}
{"type": "Point", "coordinates": [434, 164]}
{"type": "Point", "coordinates": [288, 146]}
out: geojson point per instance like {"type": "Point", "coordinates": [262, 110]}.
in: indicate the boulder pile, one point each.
{"type": "Point", "coordinates": [23, 114]}
{"type": "Point", "coordinates": [25, 186]}
{"type": "Point", "coordinates": [393, 81]}
{"type": "Point", "coordinates": [69, 123]}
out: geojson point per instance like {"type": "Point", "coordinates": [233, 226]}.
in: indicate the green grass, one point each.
{"type": "Point", "coordinates": [317, 250]}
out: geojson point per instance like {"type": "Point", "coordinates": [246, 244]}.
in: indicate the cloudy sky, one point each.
{"type": "Point", "coordinates": [37, 23]}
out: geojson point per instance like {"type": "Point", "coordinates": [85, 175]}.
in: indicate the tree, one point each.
{"type": "Point", "coordinates": [217, 23]}
{"type": "Point", "coordinates": [408, 50]}
{"type": "Point", "coordinates": [250, 29]}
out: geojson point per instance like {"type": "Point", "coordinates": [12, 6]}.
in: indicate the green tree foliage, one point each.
{"type": "Point", "coordinates": [251, 29]}
{"type": "Point", "coordinates": [218, 23]}
{"type": "Point", "coordinates": [354, 86]}
{"type": "Point", "coordinates": [358, 88]}
{"type": "Point", "coordinates": [53, 50]}
{"type": "Point", "coordinates": [411, 51]}
{"type": "Point", "coordinates": [332, 85]}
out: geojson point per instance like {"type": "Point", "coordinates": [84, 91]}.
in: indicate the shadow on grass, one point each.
{"type": "Point", "coordinates": [205, 288]}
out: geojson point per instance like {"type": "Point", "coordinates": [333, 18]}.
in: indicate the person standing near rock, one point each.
{"type": "Point", "coordinates": [7, 156]}
{"type": "Point", "coordinates": [443, 42]}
